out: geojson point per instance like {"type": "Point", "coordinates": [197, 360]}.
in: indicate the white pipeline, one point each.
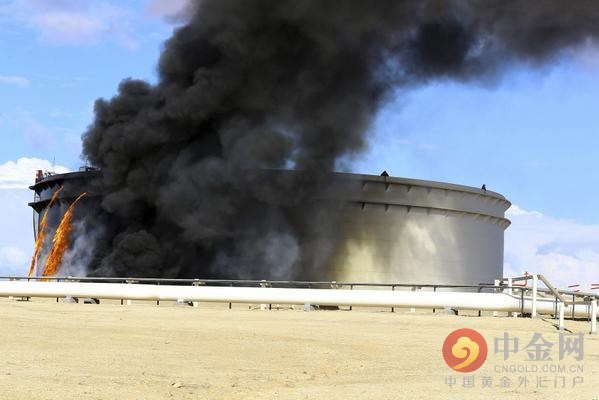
{"type": "Point", "coordinates": [373, 298]}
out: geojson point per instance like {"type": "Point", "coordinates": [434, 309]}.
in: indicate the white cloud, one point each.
{"type": "Point", "coordinates": [171, 10]}
{"type": "Point", "coordinates": [68, 27]}
{"type": "Point", "coordinates": [565, 251]}
{"type": "Point", "coordinates": [70, 22]}
{"type": "Point", "coordinates": [586, 55]}
{"type": "Point", "coordinates": [16, 233]}
{"type": "Point", "coordinates": [13, 261]}
{"type": "Point", "coordinates": [21, 174]}
{"type": "Point", "coordinates": [514, 210]}
{"type": "Point", "coordinates": [14, 80]}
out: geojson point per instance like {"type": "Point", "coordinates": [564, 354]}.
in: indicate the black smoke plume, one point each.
{"type": "Point", "coordinates": [248, 87]}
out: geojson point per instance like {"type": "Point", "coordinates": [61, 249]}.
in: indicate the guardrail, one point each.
{"type": "Point", "coordinates": [530, 297]}
{"type": "Point", "coordinates": [578, 298]}
{"type": "Point", "coordinates": [235, 282]}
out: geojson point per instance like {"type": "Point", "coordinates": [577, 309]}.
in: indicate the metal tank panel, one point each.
{"type": "Point", "coordinates": [73, 184]}
{"type": "Point", "coordinates": [411, 231]}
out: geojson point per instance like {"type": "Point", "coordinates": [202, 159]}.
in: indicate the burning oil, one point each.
{"type": "Point", "coordinates": [60, 242]}
{"type": "Point", "coordinates": [42, 233]}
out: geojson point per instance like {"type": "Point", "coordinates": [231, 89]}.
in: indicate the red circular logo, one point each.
{"type": "Point", "coordinates": [465, 350]}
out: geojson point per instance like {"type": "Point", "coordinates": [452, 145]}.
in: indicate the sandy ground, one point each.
{"type": "Point", "coordinates": [54, 350]}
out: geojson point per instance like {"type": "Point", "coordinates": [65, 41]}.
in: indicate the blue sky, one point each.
{"type": "Point", "coordinates": [63, 70]}
{"type": "Point", "coordinates": [531, 134]}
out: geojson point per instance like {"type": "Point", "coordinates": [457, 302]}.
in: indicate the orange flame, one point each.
{"type": "Point", "coordinates": [42, 233]}
{"type": "Point", "coordinates": [60, 240]}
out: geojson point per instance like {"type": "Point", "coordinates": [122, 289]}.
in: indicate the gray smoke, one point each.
{"type": "Point", "coordinates": [247, 87]}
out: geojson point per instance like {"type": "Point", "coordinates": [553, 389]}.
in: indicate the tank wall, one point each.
{"type": "Point", "coordinates": [396, 230]}
{"type": "Point", "coordinates": [400, 245]}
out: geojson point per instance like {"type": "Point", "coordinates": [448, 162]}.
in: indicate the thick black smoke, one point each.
{"type": "Point", "coordinates": [246, 87]}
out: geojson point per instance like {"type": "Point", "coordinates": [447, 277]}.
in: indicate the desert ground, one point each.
{"type": "Point", "coordinates": [52, 350]}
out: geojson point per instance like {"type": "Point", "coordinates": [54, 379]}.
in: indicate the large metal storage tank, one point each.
{"type": "Point", "coordinates": [72, 184]}
{"type": "Point", "coordinates": [387, 230]}
{"type": "Point", "coordinates": [416, 231]}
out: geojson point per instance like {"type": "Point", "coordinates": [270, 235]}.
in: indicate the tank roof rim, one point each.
{"type": "Point", "coordinates": [370, 177]}
{"type": "Point", "coordinates": [64, 176]}
{"type": "Point", "coordinates": [426, 183]}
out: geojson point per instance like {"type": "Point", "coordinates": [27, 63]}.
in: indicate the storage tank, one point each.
{"type": "Point", "coordinates": [69, 186]}
{"type": "Point", "coordinates": [416, 231]}
{"type": "Point", "coordinates": [386, 230]}
{"type": "Point", "coordinates": [72, 184]}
